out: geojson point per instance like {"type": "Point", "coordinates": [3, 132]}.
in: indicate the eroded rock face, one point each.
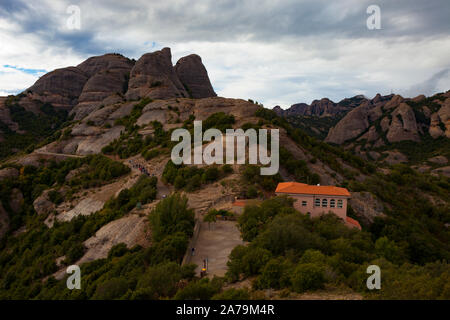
{"type": "Point", "coordinates": [366, 206]}
{"type": "Point", "coordinates": [370, 135]}
{"type": "Point", "coordinates": [193, 75]}
{"type": "Point", "coordinates": [85, 207]}
{"type": "Point", "coordinates": [153, 76]}
{"type": "Point", "coordinates": [42, 204]}
{"type": "Point", "coordinates": [108, 77]}
{"type": "Point", "coordinates": [61, 87]}
{"type": "Point", "coordinates": [403, 125]}
{"type": "Point", "coordinates": [7, 173]}
{"type": "Point", "coordinates": [398, 120]}
{"type": "Point", "coordinates": [130, 230]}
{"type": "Point", "coordinates": [352, 125]}
{"type": "Point", "coordinates": [435, 130]}
{"type": "Point", "coordinates": [444, 115]}
{"type": "Point", "coordinates": [109, 61]}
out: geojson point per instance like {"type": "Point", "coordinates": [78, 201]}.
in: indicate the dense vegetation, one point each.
{"type": "Point", "coordinates": [131, 142]}
{"type": "Point", "coordinates": [92, 171]}
{"type": "Point", "coordinates": [34, 128]}
{"type": "Point", "coordinates": [191, 178]}
{"type": "Point", "coordinates": [314, 126]}
{"type": "Point", "coordinates": [289, 250]}
{"type": "Point", "coordinates": [28, 257]}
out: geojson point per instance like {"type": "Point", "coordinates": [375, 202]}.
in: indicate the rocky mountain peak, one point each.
{"type": "Point", "coordinates": [192, 73]}
{"type": "Point", "coordinates": [153, 76]}
{"type": "Point", "coordinates": [111, 78]}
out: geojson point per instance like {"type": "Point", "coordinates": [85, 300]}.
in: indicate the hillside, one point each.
{"type": "Point", "coordinates": [386, 130]}
{"type": "Point", "coordinates": [98, 189]}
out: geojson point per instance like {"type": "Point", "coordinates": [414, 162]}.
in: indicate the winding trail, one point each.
{"type": "Point", "coordinates": [59, 154]}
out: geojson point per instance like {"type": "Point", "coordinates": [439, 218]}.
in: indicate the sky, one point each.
{"type": "Point", "coordinates": [275, 52]}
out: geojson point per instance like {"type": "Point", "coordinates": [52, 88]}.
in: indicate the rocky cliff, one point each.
{"type": "Point", "coordinates": [393, 119]}
{"type": "Point", "coordinates": [111, 79]}
{"type": "Point", "coordinates": [321, 108]}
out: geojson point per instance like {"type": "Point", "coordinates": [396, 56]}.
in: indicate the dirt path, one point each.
{"type": "Point", "coordinates": [215, 245]}
{"type": "Point", "coordinates": [58, 154]}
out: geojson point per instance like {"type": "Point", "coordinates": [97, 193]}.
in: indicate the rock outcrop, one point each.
{"type": "Point", "coordinates": [366, 206]}
{"type": "Point", "coordinates": [61, 87]}
{"type": "Point", "coordinates": [351, 126]}
{"type": "Point", "coordinates": [153, 76]}
{"type": "Point", "coordinates": [322, 108]}
{"type": "Point", "coordinates": [398, 120]}
{"type": "Point", "coordinates": [193, 75]}
{"type": "Point", "coordinates": [7, 173]}
{"type": "Point", "coordinates": [130, 230]}
{"type": "Point", "coordinates": [42, 205]}
{"type": "Point", "coordinates": [112, 78]}
{"type": "Point", "coordinates": [108, 76]}
{"type": "Point", "coordinates": [403, 125]}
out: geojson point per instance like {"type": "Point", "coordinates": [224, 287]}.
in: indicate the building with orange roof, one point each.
{"type": "Point", "coordinates": [316, 199]}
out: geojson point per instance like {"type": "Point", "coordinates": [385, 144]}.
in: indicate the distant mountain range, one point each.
{"type": "Point", "coordinates": [371, 126]}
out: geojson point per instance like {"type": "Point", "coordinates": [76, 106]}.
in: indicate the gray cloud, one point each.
{"type": "Point", "coordinates": [431, 85]}
{"type": "Point", "coordinates": [295, 35]}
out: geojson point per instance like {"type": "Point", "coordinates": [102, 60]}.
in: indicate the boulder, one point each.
{"type": "Point", "coordinates": [193, 75]}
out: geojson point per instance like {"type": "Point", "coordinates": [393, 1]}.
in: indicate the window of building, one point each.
{"type": "Point", "coordinates": [317, 203]}
{"type": "Point", "coordinates": [340, 203]}
{"type": "Point", "coordinates": [332, 203]}
{"type": "Point", "coordinates": [303, 203]}
{"type": "Point", "coordinates": [324, 203]}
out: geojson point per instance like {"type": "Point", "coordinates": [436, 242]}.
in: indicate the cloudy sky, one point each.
{"type": "Point", "coordinates": [276, 52]}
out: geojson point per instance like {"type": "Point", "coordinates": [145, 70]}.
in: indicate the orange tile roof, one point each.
{"type": "Point", "coordinates": [353, 222]}
{"type": "Point", "coordinates": [239, 203]}
{"type": "Point", "coordinates": [302, 188]}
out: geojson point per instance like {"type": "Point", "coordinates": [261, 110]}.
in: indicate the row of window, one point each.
{"type": "Point", "coordinates": [324, 203]}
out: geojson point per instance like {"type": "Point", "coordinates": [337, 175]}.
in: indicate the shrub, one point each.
{"type": "Point", "coordinates": [309, 276]}
{"type": "Point", "coordinates": [232, 294]}
{"type": "Point", "coordinates": [202, 289]}
{"type": "Point", "coordinates": [171, 215]}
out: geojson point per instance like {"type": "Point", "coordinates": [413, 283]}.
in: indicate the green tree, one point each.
{"type": "Point", "coordinates": [308, 276]}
